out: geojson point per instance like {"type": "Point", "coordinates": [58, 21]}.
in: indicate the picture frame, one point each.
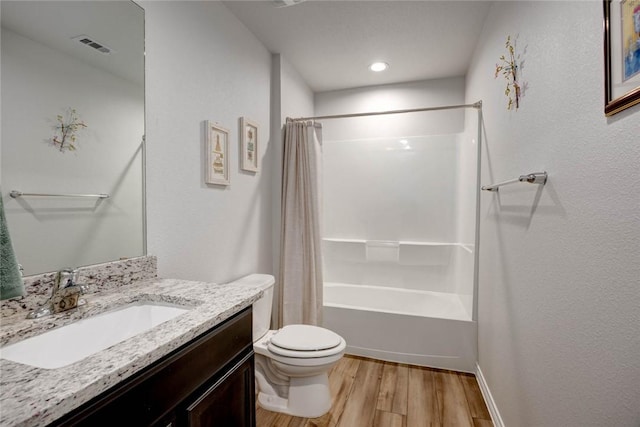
{"type": "Point", "coordinates": [621, 55]}
{"type": "Point", "coordinates": [216, 154]}
{"type": "Point", "coordinates": [249, 144]}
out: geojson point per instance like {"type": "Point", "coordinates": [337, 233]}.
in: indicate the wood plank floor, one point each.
{"type": "Point", "coordinates": [372, 393]}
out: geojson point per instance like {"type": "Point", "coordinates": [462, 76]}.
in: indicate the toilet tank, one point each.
{"type": "Point", "coordinates": [261, 307]}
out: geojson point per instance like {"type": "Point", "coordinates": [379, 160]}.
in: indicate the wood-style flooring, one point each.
{"type": "Point", "coordinates": [372, 393]}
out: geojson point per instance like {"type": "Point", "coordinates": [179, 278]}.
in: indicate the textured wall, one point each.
{"type": "Point", "coordinates": [559, 266]}
{"type": "Point", "coordinates": [202, 64]}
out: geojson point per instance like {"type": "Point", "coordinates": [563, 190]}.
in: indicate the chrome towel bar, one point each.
{"type": "Point", "coordinates": [532, 178]}
{"type": "Point", "coordinates": [16, 193]}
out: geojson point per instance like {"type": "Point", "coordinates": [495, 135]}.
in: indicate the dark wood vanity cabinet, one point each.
{"type": "Point", "coordinates": [207, 382]}
{"type": "Point", "coordinates": [227, 402]}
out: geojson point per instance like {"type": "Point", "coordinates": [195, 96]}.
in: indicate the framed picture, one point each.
{"type": "Point", "coordinates": [216, 154]}
{"type": "Point", "coordinates": [621, 54]}
{"type": "Point", "coordinates": [249, 145]}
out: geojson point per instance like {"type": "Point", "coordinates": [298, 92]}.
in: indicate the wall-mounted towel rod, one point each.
{"type": "Point", "coordinates": [531, 178]}
{"type": "Point", "coordinates": [16, 193]}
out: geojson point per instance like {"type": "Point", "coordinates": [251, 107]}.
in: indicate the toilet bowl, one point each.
{"type": "Point", "coordinates": [292, 363]}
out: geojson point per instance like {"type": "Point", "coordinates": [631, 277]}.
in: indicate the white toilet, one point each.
{"type": "Point", "coordinates": [292, 363]}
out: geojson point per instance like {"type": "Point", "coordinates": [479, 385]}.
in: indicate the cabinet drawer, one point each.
{"type": "Point", "coordinates": [155, 392]}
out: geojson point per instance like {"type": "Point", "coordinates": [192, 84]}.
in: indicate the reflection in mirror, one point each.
{"type": "Point", "coordinates": [73, 123]}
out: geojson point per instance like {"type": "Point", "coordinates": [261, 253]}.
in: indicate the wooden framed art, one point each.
{"type": "Point", "coordinates": [249, 145]}
{"type": "Point", "coordinates": [621, 55]}
{"type": "Point", "coordinates": [216, 154]}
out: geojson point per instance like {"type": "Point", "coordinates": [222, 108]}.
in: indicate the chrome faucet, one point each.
{"type": "Point", "coordinates": [64, 296]}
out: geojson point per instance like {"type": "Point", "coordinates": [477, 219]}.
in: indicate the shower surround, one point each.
{"type": "Point", "coordinates": [399, 239]}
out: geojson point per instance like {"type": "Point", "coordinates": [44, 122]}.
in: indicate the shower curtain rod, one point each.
{"type": "Point", "coordinates": [379, 113]}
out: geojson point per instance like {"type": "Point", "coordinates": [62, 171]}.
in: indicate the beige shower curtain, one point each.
{"type": "Point", "coordinates": [300, 258]}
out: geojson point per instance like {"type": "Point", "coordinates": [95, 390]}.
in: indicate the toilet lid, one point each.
{"type": "Point", "coordinates": [305, 338]}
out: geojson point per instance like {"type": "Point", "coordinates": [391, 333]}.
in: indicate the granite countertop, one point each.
{"type": "Point", "coordinates": [32, 396]}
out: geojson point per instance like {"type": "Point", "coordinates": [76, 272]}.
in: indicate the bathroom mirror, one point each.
{"type": "Point", "coordinates": [72, 128]}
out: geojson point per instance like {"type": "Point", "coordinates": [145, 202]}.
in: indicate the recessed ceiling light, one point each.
{"type": "Point", "coordinates": [378, 66]}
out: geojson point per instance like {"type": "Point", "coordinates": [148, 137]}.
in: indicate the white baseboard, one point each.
{"type": "Point", "coordinates": [488, 398]}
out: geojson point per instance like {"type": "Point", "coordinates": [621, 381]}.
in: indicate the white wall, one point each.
{"type": "Point", "coordinates": [428, 93]}
{"type": "Point", "coordinates": [290, 97]}
{"type": "Point", "coordinates": [38, 83]}
{"type": "Point", "coordinates": [559, 266]}
{"type": "Point", "coordinates": [297, 97]}
{"type": "Point", "coordinates": [358, 179]}
{"type": "Point", "coordinates": [391, 188]}
{"type": "Point", "coordinates": [203, 64]}
{"type": "Point", "coordinates": [388, 189]}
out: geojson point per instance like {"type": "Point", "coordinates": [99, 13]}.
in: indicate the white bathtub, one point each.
{"type": "Point", "coordinates": [394, 300]}
{"type": "Point", "coordinates": [408, 326]}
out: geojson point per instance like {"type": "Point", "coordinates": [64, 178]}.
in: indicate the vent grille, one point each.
{"type": "Point", "coordinates": [92, 43]}
{"type": "Point", "coordinates": [285, 3]}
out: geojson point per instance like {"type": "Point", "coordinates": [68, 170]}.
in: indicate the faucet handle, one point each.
{"type": "Point", "coordinates": [65, 278]}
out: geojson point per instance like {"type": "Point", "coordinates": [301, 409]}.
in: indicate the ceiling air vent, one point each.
{"type": "Point", "coordinates": [285, 3]}
{"type": "Point", "coordinates": [92, 43]}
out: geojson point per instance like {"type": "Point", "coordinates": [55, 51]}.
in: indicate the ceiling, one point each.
{"type": "Point", "coordinates": [332, 43]}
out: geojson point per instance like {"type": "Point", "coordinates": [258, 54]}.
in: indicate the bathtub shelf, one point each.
{"type": "Point", "coordinates": [401, 242]}
{"type": "Point", "coordinates": [411, 253]}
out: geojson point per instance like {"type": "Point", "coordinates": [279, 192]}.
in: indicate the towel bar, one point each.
{"type": "Point", "coordinates": [532, 178]}
{"type": "Point", "coordinates": [16, 193]}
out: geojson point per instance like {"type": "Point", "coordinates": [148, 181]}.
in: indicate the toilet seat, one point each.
{"type": "Point", "coordinates": [305, 341]}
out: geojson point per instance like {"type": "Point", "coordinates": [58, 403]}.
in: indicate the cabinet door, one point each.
{"type": "Point", "coordinates": [228, 402]}
{"type": "Point", "coordinates": [169, 421]}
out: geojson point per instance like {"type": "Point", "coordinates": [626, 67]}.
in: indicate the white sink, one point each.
{"type": "Point", "coordinates": [70, 343]}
